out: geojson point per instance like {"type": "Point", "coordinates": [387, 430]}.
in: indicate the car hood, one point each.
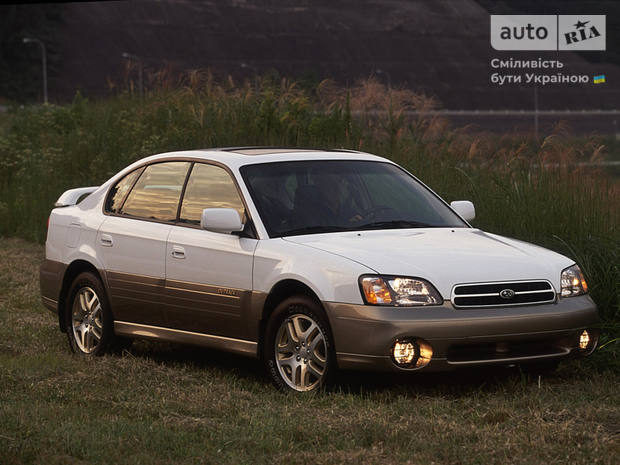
{"type": "Point", "coordinates": [443, 256]}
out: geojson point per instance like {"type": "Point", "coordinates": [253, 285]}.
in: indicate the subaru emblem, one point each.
{"type": "Point", "coordinates": [507, 294]}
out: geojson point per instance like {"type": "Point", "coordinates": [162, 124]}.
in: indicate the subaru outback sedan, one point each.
{"type": "Point", "coordinates": [310, 260]}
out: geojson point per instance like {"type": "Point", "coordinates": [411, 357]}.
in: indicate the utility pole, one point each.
{"type": "Point", "coordinates": [28, 40]}
{"type": "Point", "coordinates": [130, 56]}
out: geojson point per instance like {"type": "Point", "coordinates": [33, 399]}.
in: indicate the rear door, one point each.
{"type": "Point", "coordinates": [208, 274]}
{"type": "Point", "coordinates": [132, 240]}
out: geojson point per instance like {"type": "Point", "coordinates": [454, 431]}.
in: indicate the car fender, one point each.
{"type": "Point", "coordinates": [331, 277]}
{"type": "Point", "coordinates": [87, 253]}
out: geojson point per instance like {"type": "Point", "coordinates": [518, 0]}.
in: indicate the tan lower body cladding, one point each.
{"type": "Point", "coordinates": [191, 307]}
{"type": "Point", "coordinates": [239, 346]}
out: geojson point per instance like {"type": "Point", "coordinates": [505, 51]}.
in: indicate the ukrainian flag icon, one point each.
{"type": "Point", "coordinates": [599, 79]}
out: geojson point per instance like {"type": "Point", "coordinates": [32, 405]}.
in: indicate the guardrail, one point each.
{"type": "Point", "coordinates": [499, 112]}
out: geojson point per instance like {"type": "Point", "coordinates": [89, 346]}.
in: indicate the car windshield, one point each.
{"type": "Point", "coordinates": [310, 197]}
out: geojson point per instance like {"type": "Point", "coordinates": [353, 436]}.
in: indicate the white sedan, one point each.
{"type": "Point", "coordinates": [310, 260]}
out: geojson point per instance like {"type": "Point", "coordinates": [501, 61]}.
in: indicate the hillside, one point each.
{"type": "Point", "coordinates": [440, 48]}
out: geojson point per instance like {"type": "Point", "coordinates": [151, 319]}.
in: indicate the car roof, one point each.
{"type": "Point", "coordinates": [235, 157]}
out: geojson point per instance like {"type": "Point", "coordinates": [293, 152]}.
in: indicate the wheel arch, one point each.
{"type": "Point", "coordinates": [279, 292]}
{"type": "Point", "coordinates": [73, 270]}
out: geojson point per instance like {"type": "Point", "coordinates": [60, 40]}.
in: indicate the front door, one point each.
{"type": "Point", "coordinates": [208, 274]}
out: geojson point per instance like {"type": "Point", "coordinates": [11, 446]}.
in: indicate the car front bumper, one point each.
{"type": "Point", "coordinates": [364, 334]}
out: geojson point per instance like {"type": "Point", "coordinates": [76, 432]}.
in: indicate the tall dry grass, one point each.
{"type": "Point", "coordinates": [523, 187]}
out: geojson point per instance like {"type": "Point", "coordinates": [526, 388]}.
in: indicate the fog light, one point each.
{"type": "Point", "coordinates": [404, 352]}
{"type": "Point", "coordinates": [412, 353]}
{"type": "Point", "coordinates": [584, 340]}
{"type": "Point", "coordinates": [426, 353]}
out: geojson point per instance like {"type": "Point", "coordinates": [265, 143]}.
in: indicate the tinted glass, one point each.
{"type": "Point", "coordinates": [157, 192]}
{"type": "Point", "coordinates": [118, 192]}
{"type": "Point", "coordinates": [306, 197]}
{"type": "Point", "coordinates": [209, 186]}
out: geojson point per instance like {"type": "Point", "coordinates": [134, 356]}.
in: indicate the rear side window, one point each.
{"type": "Point", "coordinates": [119, 191]}
{"type": "Point", "coordinates": [209, 186]}
{"type": "Point", "coordinates": [157, 192]}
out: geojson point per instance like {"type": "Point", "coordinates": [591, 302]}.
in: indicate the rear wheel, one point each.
{"type": "Point", "coordinates": [88, 316]}
{"type": "Point", "coordinates": [298, 346]}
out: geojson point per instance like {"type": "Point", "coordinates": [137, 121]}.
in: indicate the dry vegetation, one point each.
{"type": "Point", "coordinates": [532, 189]}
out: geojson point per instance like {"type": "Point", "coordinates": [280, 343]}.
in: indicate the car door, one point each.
{"type": "Point", "coordinates": [132, 240]}
{"type": "Point", "coordinates": [208, 274]}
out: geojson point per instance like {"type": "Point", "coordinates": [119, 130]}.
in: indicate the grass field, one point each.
{"type": "Point", "coordinates": [159, 403]}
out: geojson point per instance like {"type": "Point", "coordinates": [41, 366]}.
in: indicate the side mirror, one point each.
{"type": "Point", "coordinates": [221, 220]}
{"type": "Point", "coordinates": [464, 208]}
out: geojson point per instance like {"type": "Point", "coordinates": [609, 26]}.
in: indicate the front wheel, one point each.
{"type": "Point", "coordinates": [88, 317]}
{"type": "Point", "coordinates": [298, 346]}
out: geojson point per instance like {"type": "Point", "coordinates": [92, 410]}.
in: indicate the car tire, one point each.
{"type": "Point", "coordinates": [299, 349]}
{"type": "Point", "coordinates": [88, 317]}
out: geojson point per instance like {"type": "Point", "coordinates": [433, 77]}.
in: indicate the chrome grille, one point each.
{"type": "Point", "coordinates": [503, 294]}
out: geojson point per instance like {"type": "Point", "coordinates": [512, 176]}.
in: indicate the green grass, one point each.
{"type": "Point", "coordinates": [161, 403]}
{"type": "Point", "coordinates": [529, 189]}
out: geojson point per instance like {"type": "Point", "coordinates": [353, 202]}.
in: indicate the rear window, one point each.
{"type": "Point", "coordinates": [119, 192]}
{"type": "Point", "coordinates": [157, 192]}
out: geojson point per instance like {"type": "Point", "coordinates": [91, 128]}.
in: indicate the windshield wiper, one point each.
{"type": "Point", "coordinates": [313, 230]}
{"type": "Point", "coordinates": [395, 224]}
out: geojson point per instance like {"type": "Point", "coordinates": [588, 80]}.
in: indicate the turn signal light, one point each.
{"type": "Point", "coordinates": [376, 291]}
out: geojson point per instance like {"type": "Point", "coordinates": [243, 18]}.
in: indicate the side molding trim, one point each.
{"type": "Point", "coordinates": [238, 346]}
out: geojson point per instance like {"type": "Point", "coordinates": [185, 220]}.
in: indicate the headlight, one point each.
{"type": "Point", "coordinates": [573, 282]}
{"type": "Point", "coordinates": [397, 291]}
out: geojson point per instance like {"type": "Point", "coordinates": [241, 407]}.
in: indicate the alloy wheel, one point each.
{"type": "Point", "coordinates": [86, 320]}
{"type": "Point", "coordinates": [301, 352]}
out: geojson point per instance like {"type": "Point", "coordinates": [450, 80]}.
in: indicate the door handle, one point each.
{"type": "Point", "coordinates": [178, 252]}
{"type": "Point", "coordinates": [106, 240]}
